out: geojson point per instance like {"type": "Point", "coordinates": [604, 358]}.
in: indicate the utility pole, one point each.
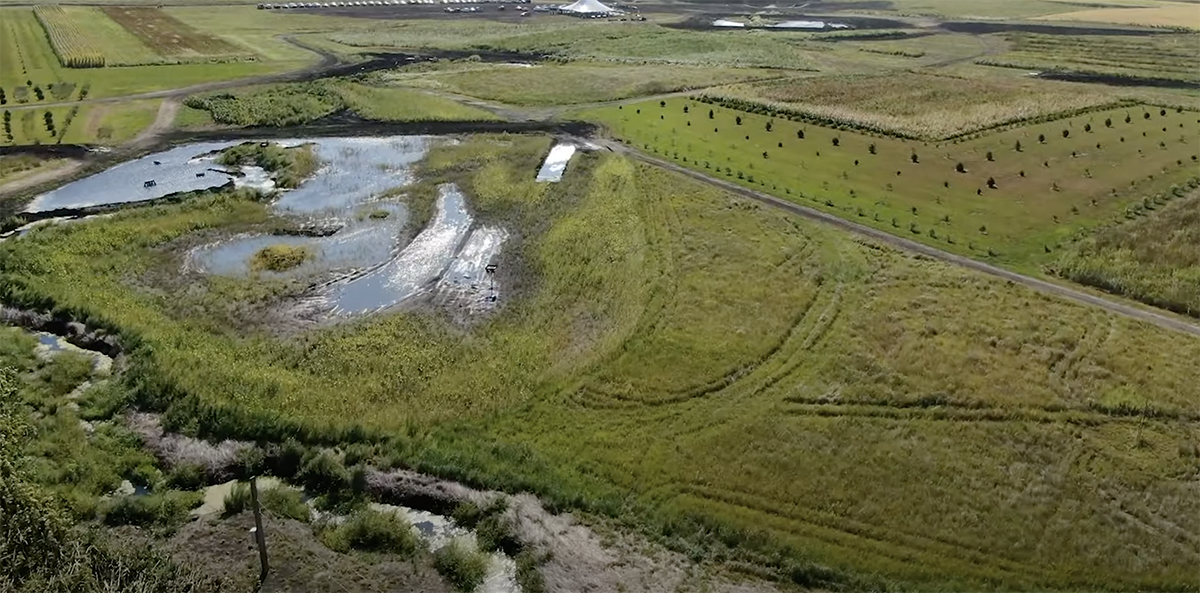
{"type": "Point", "coordinates": [260, 537]}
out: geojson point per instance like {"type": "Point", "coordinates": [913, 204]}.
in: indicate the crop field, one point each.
{"type": "Point", "coordinates": [73, 45]}
{"type": "Point", "coordinates": [1157, 14]}
{"type": "Point", "coordinates": [121, 48]}
{"type": "Point", "coordinates": [28, 65]}
{"type": "Point", "coordinates": [982, 197]}
{"type": "Point", "coordinates": [881, 419]}
{"type": "Point", "coordinates": [1163, 56]}
{"type": "Point", "coordinates": [578, 82]}
{"type": "Point", "coordinates": [170, 37]}
{"type": "Point", "coordinates": [921, 105]}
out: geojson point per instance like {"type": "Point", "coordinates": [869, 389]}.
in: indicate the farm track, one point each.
{"type": "Point", "coordinates": [1043, 286]}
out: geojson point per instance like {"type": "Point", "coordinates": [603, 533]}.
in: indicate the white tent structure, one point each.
{"type": "Point", "coordinates": [586, 7]}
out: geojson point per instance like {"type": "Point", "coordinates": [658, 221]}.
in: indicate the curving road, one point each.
{"type": "Point", "coordinates": [1066, 292]}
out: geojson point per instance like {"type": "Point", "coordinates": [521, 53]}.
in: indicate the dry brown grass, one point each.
{"type": "Point", "coordinates": [922, 105]}
{"type": "Point", "coordinates": [1163, 14]}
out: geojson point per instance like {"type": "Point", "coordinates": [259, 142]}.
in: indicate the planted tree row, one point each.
{"type": "Point", "coordinates": [74, 47]}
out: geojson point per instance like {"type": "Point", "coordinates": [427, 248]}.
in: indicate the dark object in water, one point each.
{"type": "Point", "coordinates": [200, 174]}
{"type": "Point", "coordinates": [150, 183]}
{"type": "Point", "coordinates": [157, 163]}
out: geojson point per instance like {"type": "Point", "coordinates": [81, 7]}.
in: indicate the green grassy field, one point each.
{"type": "Point", "coordinates": [81, 124]}
{"type": "Point", "coordinates": [889, 418]}
{"type": "Point", "coordinates": [1154, 258]}
{"type": "Point", "coordinates": [292, 104]}
{"type": "Point", "coordinates": [1044, 194]}
{"type": "Point", "coordinates": [576, 82]}
{"type": "Point", "coordinates": [623, 43]}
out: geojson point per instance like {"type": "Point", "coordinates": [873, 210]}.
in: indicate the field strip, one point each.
{"type": "Point", "coordinates": [1044, 286]}
{"type": "Point", "coordinates": [326, 62]}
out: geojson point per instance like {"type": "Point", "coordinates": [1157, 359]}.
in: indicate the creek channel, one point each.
{"type": "Point", "coordinates": [434, 529]}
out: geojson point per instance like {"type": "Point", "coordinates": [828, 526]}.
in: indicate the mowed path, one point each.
{"type": "Point", "coordinates": [1062, 291]}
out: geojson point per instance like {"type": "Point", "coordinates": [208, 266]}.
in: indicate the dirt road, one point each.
{"type": "Point", "coordinates": [1066, 292]}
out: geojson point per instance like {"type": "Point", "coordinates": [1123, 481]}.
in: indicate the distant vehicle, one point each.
{"type": "Point", "coordinates": [501, 7]}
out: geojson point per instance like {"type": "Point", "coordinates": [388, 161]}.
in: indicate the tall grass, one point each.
{"type": "Point", "coordinates": [373, 531]}
{"type": "Point", "coordinates": [878, 419]}
{"type": "Point", "coordinates": [1154, 258]}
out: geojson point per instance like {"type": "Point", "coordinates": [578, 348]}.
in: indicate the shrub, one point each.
{"type": "Point", "coordinates": [528, 576]}
{"type": "Point", "coordinates": [166, 509]}
{"type": "Point", "coordinates": [1066, 133]}
{"type": "Point", "coordinates": [836, 141]}
{"type": "Point", "coordinates": [990, 157]}
{"type": "Point", "coordinates": [324, 473]}
{"type": "Point", "coordinates": [960, 168]}
{"type": "Point", "coordinates": [463, 567]}
{"type": "Point", "coordinates": [277, 499]}
{"type": "Point", "coordinates": [1041, 138]}
{"type": "Point", "coordinates": [800, 134]}
{"type": "Point", "coordinates": [187, 476]}
{"type": "Point", "coordinates": [372, 531]}
{"type": "Point", "coordinates": [280, 258]}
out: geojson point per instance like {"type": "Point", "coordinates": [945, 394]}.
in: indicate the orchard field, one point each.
{"type": "Point", "coordinates": [1012, 196]}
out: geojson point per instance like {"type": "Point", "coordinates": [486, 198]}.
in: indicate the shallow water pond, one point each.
{"type": "Point", "coordinates": [180, 169]}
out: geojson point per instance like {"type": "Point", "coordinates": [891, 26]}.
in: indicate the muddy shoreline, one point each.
{"type": "Point", "coordinates": [340, 124]}
{"type": "Point", "coordinates": [74, 332]}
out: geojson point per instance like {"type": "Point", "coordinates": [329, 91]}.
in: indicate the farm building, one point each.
{"type": "Point", "coordinates": [587, 8]}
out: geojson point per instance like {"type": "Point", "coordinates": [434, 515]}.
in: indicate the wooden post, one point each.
{"type": "Point", "coordinates": [260, 537]}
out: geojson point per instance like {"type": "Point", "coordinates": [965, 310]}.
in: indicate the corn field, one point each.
{"type": "Point", "coordinates": [74, 48]}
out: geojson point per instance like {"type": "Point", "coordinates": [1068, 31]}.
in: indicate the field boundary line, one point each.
{"type": "Point", "coordinates": [1043, 286]}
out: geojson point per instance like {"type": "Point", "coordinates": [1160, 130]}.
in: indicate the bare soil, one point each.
{"type": "Point", "coordinates": [299, 562]}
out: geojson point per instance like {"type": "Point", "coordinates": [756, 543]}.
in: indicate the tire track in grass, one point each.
{"type": "Point", "coordinates": [1164, 321]}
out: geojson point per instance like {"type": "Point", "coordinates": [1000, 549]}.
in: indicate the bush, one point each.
{"type": "Point", "coordinates": [463, 567]}
{"type": "Point", "coordinates": [167, 509]}
{"type": "Point", "coordinates": [373, 531]}
{"type": "Point", "coordinates": [188, 476]}
{"type": "Point", "coordinates": [528, 576]}
{"type": "Point", "coordinates": [280, 258]}
{"type": "Point", "coordinates": [324, 473]}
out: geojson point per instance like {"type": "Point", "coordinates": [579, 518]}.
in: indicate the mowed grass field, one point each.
{"type": "Point", "coordinates": [880, 420]}
{"type": "Point", "coordinates": [1041, 196]}
{"type": "Point", "coordinates": [921, 104]}
{"type": "Point", "coordinates": [82, 124]}
{"type": "Point", "coordinates": [576, 82]}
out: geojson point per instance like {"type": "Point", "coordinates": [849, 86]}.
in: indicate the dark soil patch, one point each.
{"type": "Point", "coordinates": [1118, 80]}
{"type": "Point", "coordinates": [393, 60]}
{"type": "Point", "coordinates": [347, 123]}
{"type": "Point", "coordinates": [48, 151]}
{"type": "Point", "coordinates": [977, 27]}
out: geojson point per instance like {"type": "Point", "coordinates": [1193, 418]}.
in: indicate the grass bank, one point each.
{"type": "Point", "coordinates": [881, 420]}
